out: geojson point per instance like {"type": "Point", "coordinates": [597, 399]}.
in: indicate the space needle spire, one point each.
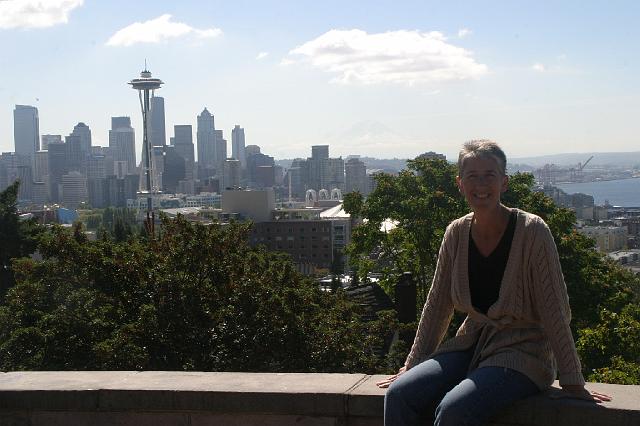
{"type": "Point", "coordinates": [146, 86]}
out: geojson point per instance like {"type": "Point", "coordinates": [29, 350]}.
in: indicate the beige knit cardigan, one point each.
{"type": "Point", "coordinates": [524, 328]}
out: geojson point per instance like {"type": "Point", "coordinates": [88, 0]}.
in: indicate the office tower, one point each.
{"type": "Point", "coordinates": [251, 149]}
{"type": "Point", "coordinates": [158, 129]}
{"type": "Point", "coordinates": [96, 175]}
{"type": "Point", "coordinates": [41, 166]}
{"type": "Point", "coordinates": [237, 145]}
{"type": "Point", "coordinates": [174, 170]}
{"type": "Point", "coordinates": [332, 174]}
{"type": "Point", "coordinates": [40, 195]}
{"type": "Point", "coordinates": [183, 143]}
{"type": "Point", "coordinates": [265, 176]}
{"type": "Point", "coordinates": [84, 133]}
{"type": "Point", "coordinates": [297, 178]}
{"type": "Point", "coordinates": [254, 162]}
{"type": "Point", "coordinates": [26, 130]}
{"type": "Point", "coordinates": [231, 179]}
{"type": "Point", "coordinates": [47, 139]}
{"type": "Point", "coordinates": [356, 177]}
{"type": "Point", "coordinates": [8, 169]}
{"type": "Point", "coordinates": [57, 163]}
{"type": "Point", "coordinates": [206, 139]}
{"type": "Point", "coordinates": [74, 153]}
{"type": "Point", "coordinates": [319, 152]}
{"type": "Point", "coordinates": [74, 189]}
{"type": "Point", "coordinates": [26, 182]}
{"type": "Point", "coordinates": [220, 153]}
{"type": "Point", "coordinates": [122, 141]}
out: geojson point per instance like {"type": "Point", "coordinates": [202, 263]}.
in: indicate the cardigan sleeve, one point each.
{"type": "Point", "coordinates": [438, 309]}
{"type": "Point", "coordinates": [552, 303]}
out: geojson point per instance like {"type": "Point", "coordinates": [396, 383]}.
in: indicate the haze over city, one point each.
{"type": "Point", "coordinates": [379, 78]}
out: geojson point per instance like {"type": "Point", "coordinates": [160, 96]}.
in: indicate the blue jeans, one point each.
{"type": "Point", "coordinates": [440, 388]}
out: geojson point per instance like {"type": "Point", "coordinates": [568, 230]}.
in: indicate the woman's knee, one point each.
{"type": "Point", "coordinates": [459, 409]}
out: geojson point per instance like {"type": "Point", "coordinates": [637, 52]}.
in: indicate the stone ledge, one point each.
{"type": "Point", "coordinates": [199, 398]}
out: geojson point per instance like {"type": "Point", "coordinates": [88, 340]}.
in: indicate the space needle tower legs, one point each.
{"type": "Point", "coordinates": [146, 85]}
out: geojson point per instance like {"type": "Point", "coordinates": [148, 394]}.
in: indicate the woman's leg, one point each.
{"type": "Point", "coordinates": [482, 394]}
{"type": "Point", "coordinates": [413, 396]}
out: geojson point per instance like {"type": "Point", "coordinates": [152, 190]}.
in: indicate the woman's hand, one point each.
{"type": "Point", "coordinates": [386, 382]}
{"type": "Point", "coordinates": [580, 392]}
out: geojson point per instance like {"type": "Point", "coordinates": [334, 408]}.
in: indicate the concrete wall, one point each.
{"type": "Point", "coordinates": [202, 399]}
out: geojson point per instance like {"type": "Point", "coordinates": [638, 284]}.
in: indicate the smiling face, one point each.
{"type": "Point", "coordinates": [482, 182]}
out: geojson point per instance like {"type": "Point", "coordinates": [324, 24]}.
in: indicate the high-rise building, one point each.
{"type": "Point", "coordinates": [84, 133]}
{"type": "Point", "coordinates": [122, 141]}
{"type": "Point", "coordinates": [174, 170]}
{"type": "Point", "coordinates": [332, 174]}
{"type": "Point", "coordinates": [26, 130]}
{"type": "Point", "coordinates": [220, 153]}
{"type": "Point", "coordinates": [57, 162]}
{"type": "Point", "coordinates": [232, 173]}
{"type": "Point", "coordinates": [74, 189]}
{"type": "Point", "coordinates": [356, 176]}
{"type": "Point", "coordinates": [206, 139]}
{"type": "Point", "coordinates": [237, 145]}
{"type": "Point", "coordinates": [41, 166]}
{"type": "Point", "coordinates": [74, 153]}
{"type": "Point", "coordinates": [47, 139]}
{"type": "Point", "coordinates": [183, 143]}
{"type": "Point", "coordinates": [251, 149]}
{"type": "Point", "coordinates": [254, 162]}
{"type": "Point", "coordinates": [319, 152]}
{"type": "Point", "coordinates": [158, 132]}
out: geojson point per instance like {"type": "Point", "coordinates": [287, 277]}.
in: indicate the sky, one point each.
{"type": "Point", "coordinates": [372, 78]}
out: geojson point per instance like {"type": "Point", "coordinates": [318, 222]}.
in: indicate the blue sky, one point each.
{"type": "Point", "coordinates": [379, 78]}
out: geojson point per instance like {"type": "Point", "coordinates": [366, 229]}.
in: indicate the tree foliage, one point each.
{"type": "Point", "coordinates": [194, 298]}
{"type": "Point", "coordinates": [18, 237]}
{"type": "Point", "coordinates": [420, 201]}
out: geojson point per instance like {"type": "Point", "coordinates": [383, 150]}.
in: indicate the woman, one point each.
{"type": "Point", "coordinates": [500, 266]}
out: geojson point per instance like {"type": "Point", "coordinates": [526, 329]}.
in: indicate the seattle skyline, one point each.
{"type": "Point", "coordinates": [383, 79]}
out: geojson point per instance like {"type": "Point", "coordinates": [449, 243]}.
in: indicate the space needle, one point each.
{"type": "Point", "coordinates": [146, 86]}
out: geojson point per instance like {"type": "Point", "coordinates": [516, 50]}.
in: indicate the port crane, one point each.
{"type": "Point", "coordinates": [576, 172]}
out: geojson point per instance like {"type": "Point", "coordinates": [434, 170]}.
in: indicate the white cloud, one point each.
{"type": "Point", "coordinates": [36, 13]}
{"type": "Point", "coordinates": [262, 55]}
{"type": "Point", "coordinates": [539, 67]}
{"type": "Point", "coordinates": [158, 30]}
{"type": "Point", "coordinates": [405, 57]}
{"type": "Point", "coordinates": [463, 32]}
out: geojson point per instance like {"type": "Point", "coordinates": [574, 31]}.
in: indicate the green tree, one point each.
{"type": "Point", "coordinates": [194, 298]}
{"type": "Point", "coordinates": [421, 201]}
{"type": "Point", "coordinates": [18, 237]}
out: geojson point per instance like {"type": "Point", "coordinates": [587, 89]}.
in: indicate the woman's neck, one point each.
{"type": "Point", "coordinates": [491, 221]}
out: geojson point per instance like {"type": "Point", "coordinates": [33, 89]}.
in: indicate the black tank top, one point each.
{"type": "Point", "coordinates": [485, 273]}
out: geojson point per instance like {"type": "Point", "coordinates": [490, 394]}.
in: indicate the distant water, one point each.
{"type": "Point", "coordinates": [623, 192]}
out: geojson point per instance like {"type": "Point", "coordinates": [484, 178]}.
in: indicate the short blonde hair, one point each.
{"type": "Point", "coordinates": [482, 148]}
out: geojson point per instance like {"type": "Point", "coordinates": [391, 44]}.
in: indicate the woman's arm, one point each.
{"type": "Point", "coordinates": [438, 308]}
{"type": "Point", "coordinates": [552, 304]}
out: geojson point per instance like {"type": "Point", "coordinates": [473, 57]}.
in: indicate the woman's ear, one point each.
{"type": "Point", "coordinates": [505, 183]}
